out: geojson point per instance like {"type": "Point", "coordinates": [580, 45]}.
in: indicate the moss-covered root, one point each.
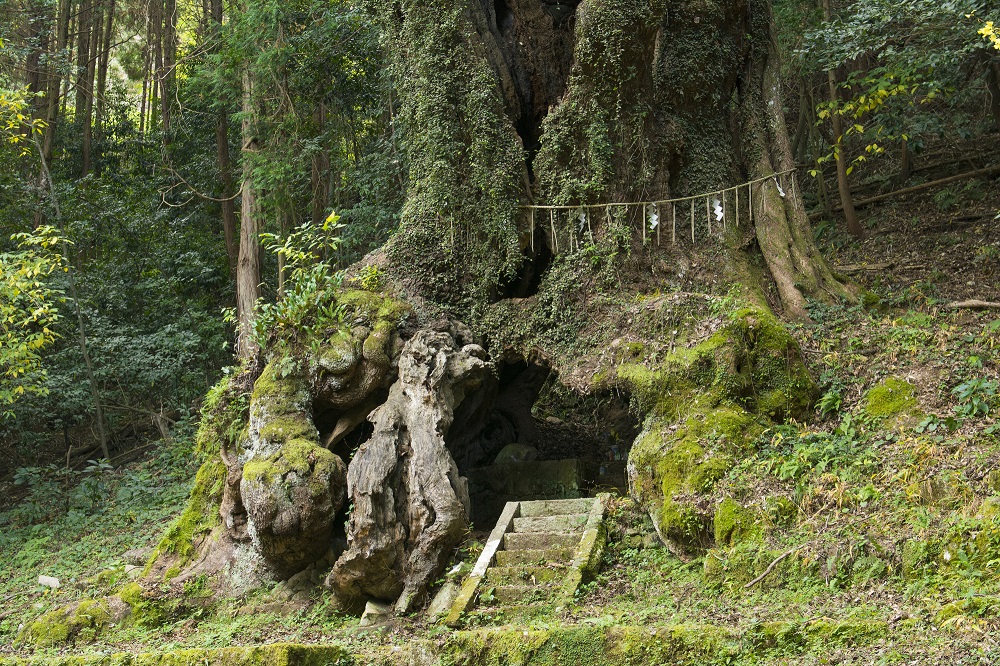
{"type": "Point", "coordinates": [186, 535]}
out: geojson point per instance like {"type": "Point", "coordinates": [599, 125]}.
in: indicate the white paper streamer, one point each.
{"type": "Point", "coordinates": [654, 217]}
{"type": "Point", "coordinates": [717, 205]}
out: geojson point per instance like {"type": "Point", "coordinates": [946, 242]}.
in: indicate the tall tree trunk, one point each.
{"type": "Point", "coordinates": [229, 223]}
{"type": "Point", "coordinates": [993, 89]}
{"type": "Point", "coordinates": [53, 87]}
{"type": "Point", "coordinates": [840, 150]}
{"type": "Point", "coordinates": [147, 77]}
{"type": "Point", "coordinates": [248, 268]}
{"type": "Point", "coordinates": [320, 169]}
{"type": "Point", "coordinates": [96, 34]}
{"type": "Point", "coordinates": [168, 75]}
{"type": "Point", "coordinates": [156, 82]}
{"type": "Point", "coordinates": [802, 126]}
{"type": "Point", "coordinates": [37, 27]}
{"type": "Point", "coordinates": [102, 79]}
{"type": "Point", "coordinates": [83, 32]}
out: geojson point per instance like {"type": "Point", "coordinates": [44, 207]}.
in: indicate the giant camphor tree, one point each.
{"type": "Point", "coordinates": [449, 331]}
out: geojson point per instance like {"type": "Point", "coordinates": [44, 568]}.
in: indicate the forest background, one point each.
{"type": "Point", "coordinates": [158, 155]}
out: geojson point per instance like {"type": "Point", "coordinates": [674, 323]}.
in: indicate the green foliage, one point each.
{"type": "Point", "coordinates": [793, 452]}
{"type": "Point", "coordinates": [920, 56]}
{"type": "Point", "coordinates": [976, 397]}
{"type": "Point", "coordinates": [29, 313]}
{"type": "Point", "coordinates": [307, 305]}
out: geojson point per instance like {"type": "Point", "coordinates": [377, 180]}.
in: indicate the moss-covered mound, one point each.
{"type": "Point", "coordinates": [79, 622]}
{"type": "Point", "coordinates": [707, 405]}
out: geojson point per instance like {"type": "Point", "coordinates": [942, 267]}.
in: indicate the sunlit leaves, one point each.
{"type": "Point", "coordinates": [991, 33]}
{"type": "Point", "coordinates": [28, 312]}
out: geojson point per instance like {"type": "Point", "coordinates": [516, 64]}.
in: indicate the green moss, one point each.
{"type": "Point", "coordinates": [780, 510]}
{"type": "Point", "coordinates": [279, 390]}
{"type": "Point", "coordinates": [302, 456]}
{"type": "Point", "coordinates": [377, 311]}
{"type": "Point", "coordinates": [82, 621]}
{"type": "Point", "coordinates": [591, 646]}
{"type": "Point", "coordinates": [976, 607]}
{"type": "Point", "coordinates": [288, 427]}
{"type": "Point", "coordinates": [200, 516]}
{"type": "Point", "coordinates": [891, 397]}
{"type": "Point", "coordinates": [735, 523]}
{"type": "Point", "coordinates": [784, 636]}
{"type": "Point", "coordinates": [145, 610]}
{"type": "Point", "coordinates": [851, 632]}
{"type": "Point", "coordinates": [708, 405]}
{"type": "Point", "coordinates": [734, 567]}
{"type": "Point", "coordinates": [222, 416]}
{"type": "Point", "coordinates": [279, 654]}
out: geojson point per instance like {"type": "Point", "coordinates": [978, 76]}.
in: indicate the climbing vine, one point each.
{"type": "Point", "coordinates": [466, 168]}
{"type": "Point", "coordinates": [596, 143]}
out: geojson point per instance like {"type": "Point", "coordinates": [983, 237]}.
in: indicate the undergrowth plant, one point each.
{"type": "Point", "coordinates": [307, 306]}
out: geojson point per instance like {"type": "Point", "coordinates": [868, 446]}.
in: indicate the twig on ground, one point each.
{"type": "Point", "coordinates": [770, 567]}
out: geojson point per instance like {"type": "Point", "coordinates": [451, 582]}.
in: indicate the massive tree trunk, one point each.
{"type": "Point", "coordinates": [594, 102]}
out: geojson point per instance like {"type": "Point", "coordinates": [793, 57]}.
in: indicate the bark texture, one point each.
{"type": "Point", "coordinates": [411, 507]}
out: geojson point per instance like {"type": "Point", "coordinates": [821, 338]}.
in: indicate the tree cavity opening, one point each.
{"type": "Point", "coordinates": [541, 440]}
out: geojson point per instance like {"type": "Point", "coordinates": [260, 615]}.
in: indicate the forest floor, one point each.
{"type": "Point", "coordinates": [893, 521]}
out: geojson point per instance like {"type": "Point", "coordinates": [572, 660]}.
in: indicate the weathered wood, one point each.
{"type": "Point", "coordinates": [973, 304]}
{"type": "Point", "coordinates": [858, 268]}
{"type": "Point", "coordinates": [411, 505]}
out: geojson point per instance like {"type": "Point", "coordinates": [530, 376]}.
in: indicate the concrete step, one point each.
{"type": "Point", "coordinates": [565, 523]}
{"type": "Point", "coordinates": [539, 508]}
{"type": "Point", "coordinates": [486, 615]}
{"type": "Point", "coordinates": [506, 595]}
{"type": "Point", "coordinates": [510, 558]}
{"type": "Point", "coordinates": [539, 540]}
{"type": "Point", "coordinates": [526, 575]}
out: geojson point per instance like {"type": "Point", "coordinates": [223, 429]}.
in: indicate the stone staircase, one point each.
{"type": "Point", "coordinates": [537, 555]}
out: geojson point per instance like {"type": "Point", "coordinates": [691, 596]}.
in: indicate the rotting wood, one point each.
{"type": "Point", "coordinates": [858, 268]}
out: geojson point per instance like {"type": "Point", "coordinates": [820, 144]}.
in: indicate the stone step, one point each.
{"type": "Point", "coordinates": [509, 558]}
{"type": "Point", "coordinates": [495, 614]}
{"type": "Point", "coordinates": [539, 508]}
{"type": "Point", "coordinates": [526, 575]}
{"type": "Point", "coordinates": [517, 594]}
{"type": "Point", "coordinates": [539, 540]}
{"type": "Point", "coordinates": [610, 482]}
{"type": "Point", "coordinates": [565, 523]}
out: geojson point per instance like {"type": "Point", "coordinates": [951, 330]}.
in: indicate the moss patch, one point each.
{"type": "Point", "coordinates": [78, 622]}
{"type": "Point", "coordinates": [281, 654]}
{"type": "Point", "coordinates": [890, 398]}
{"type": "Point", "coordinates": [200, 516]}
{"type": "Point", "coordinates": [735, 523]}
